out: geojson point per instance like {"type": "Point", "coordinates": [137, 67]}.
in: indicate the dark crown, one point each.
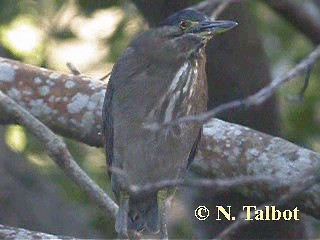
{"type": "Point", "coordinates": [185, 14]}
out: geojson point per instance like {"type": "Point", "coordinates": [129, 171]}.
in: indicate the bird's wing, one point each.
{"type": "Point", "coordinates": [107, 123]}
{"type": "Point", "coordinates": [117, 79]}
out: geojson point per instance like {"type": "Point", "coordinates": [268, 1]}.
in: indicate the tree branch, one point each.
{"type": "Point", "coordinates": [308, 180]}
{"type": "Point", "coordinates": [67, 104]}
{"type": "Point", "coordinates": [229, 150]}
{"type": "Point", "coordinates": [218, 185]}
{"type": "Point", "coordinates": [12, 233]}
{"type": "Point", "coordinates": [213, 8]}
{"type": "Point", "coordinates": [58, 151]}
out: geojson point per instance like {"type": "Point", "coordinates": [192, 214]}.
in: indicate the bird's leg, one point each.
{"type": "Point", "coordinates": [162, 196]}
{"type": "Point", "coordinates": [122, 216]}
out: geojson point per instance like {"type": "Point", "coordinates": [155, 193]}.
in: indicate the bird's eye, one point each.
{"type": "Point", "coordinates": [185, 24]}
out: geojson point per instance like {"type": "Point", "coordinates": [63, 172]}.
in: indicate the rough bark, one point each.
{"type": "Point", "coordinates": [70, 105]}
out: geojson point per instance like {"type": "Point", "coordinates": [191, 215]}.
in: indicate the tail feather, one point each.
{"type": "Point", "coordinates": [143, 214]}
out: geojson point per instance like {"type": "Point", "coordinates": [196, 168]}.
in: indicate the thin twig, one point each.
{"type": "Point", "coordinates": [73, 69]}
{"type": "Point", "coordinates": [306, 83]}
{"type": "Point", "coordinates": [59, 153]}
{"type": "Point", "coordinates": [207, 7]}
{"type": "Point", "coordinates": [305, 182]}
{"type": "Point", "coordinates": [300, 97]}
{"type": "Point", "coordinates": [210, 6]}
{"type": "Point", "coordinates": [252, 100]}
{"type": "Point", "coordinates": [217, 185]}
{"type": "Point", "coordinates": [222, 6]}
{"type": "Point", "coordinates": [104, 77]}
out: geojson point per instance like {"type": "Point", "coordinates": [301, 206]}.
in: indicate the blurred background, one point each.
{"type": "Point", "coordinates": [35, 194]}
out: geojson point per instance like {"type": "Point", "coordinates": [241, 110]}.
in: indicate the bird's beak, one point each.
{"type": "Point", "coordinates": [212, 28]}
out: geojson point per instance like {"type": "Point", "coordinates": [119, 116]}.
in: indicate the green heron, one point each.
{"type": "Point", "coordinates": [160, 77]}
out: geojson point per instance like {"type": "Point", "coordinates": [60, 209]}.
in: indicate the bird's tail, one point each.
{"type": "Point", "coordinates": [143, 214]}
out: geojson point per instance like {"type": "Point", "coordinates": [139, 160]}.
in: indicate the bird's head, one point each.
{"type": "Point", "coordinates": [179, 36]}
{"type": "Point", "coordinates": [189, 22]}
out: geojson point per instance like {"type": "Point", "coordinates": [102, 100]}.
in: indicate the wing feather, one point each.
{"type": "Point", "coordinates": [107, 123]}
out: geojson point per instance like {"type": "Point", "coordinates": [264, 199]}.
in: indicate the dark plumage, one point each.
{"type": "Point", "coordinates": [160, 77]}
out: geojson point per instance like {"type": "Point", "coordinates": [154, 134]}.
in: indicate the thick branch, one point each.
{"type": "Point", "coordinates": [229, 150]}
{"type": "Point", "coordinates": [12, 233]}
{"type": "Point", "coordinates": [67, 104]}
{"type": "Point", "coordinates": [306, 181]}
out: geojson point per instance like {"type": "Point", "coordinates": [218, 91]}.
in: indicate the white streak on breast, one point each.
{"type": "Point", "coordinates": [169, 110]}
{"type": "Point", "coordinates": [195, 76]}
{"type": "Point", "coordinates": [187, 85]}
{"type": "Point", "coordinates": [178, 76]}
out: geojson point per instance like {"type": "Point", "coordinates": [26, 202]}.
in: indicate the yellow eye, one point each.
{"type": "Point", "coordinates": [185, 24]}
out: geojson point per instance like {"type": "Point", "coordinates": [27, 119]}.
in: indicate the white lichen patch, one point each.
{"type": "Point", "coordinates": [237, 132]}
{"type": "Point", "coordinates": [14, 93]}
{"type": "Point", "coordinates": [69, 84]}
{"type": "Point", "coordinates": [304, 156]}
{"type": "Point", "coordinates": [78, 103]}
{"type": "Point", "coordinates": [44, 90]}
{"type": "Point", "coordinates": [93, 84]}
{"type": "Point", "coordinates": [96, 100]}
{"type": "Point", "coordinates": [50, 82]}
{"type": "Point", "coordinates": [27, 92]}
{"type": "Point", "coordinates": [51, 99]}
{"type": "Point", "coordinates": [7, 72]}
{"type": "Point", "coordinates": [54, 75]}
{"type": "Point", "coordinates": [235, 151]}
{"type": "Point", "coordinates": [215, 128]}
{"type": "Point", "coordinates": [253, 152]}
{"type": "Point", "coordinates": [87, 122]}
{"type": "Point", "coordinates": [65, 99]}
{"type": "Point", "coordinates": [44, 69]}
{"type": "Point", "coordinates": [39, 107]}
{"type": "Point", "coordinates": [282, 160]}
{"type": "Point", "coordinates": [37, 80]}
{"type": "Point", "coordinates": [217, 149]}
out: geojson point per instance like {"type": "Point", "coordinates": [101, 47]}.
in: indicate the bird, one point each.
{"type": "Point", "coordinates": [160, 77]}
